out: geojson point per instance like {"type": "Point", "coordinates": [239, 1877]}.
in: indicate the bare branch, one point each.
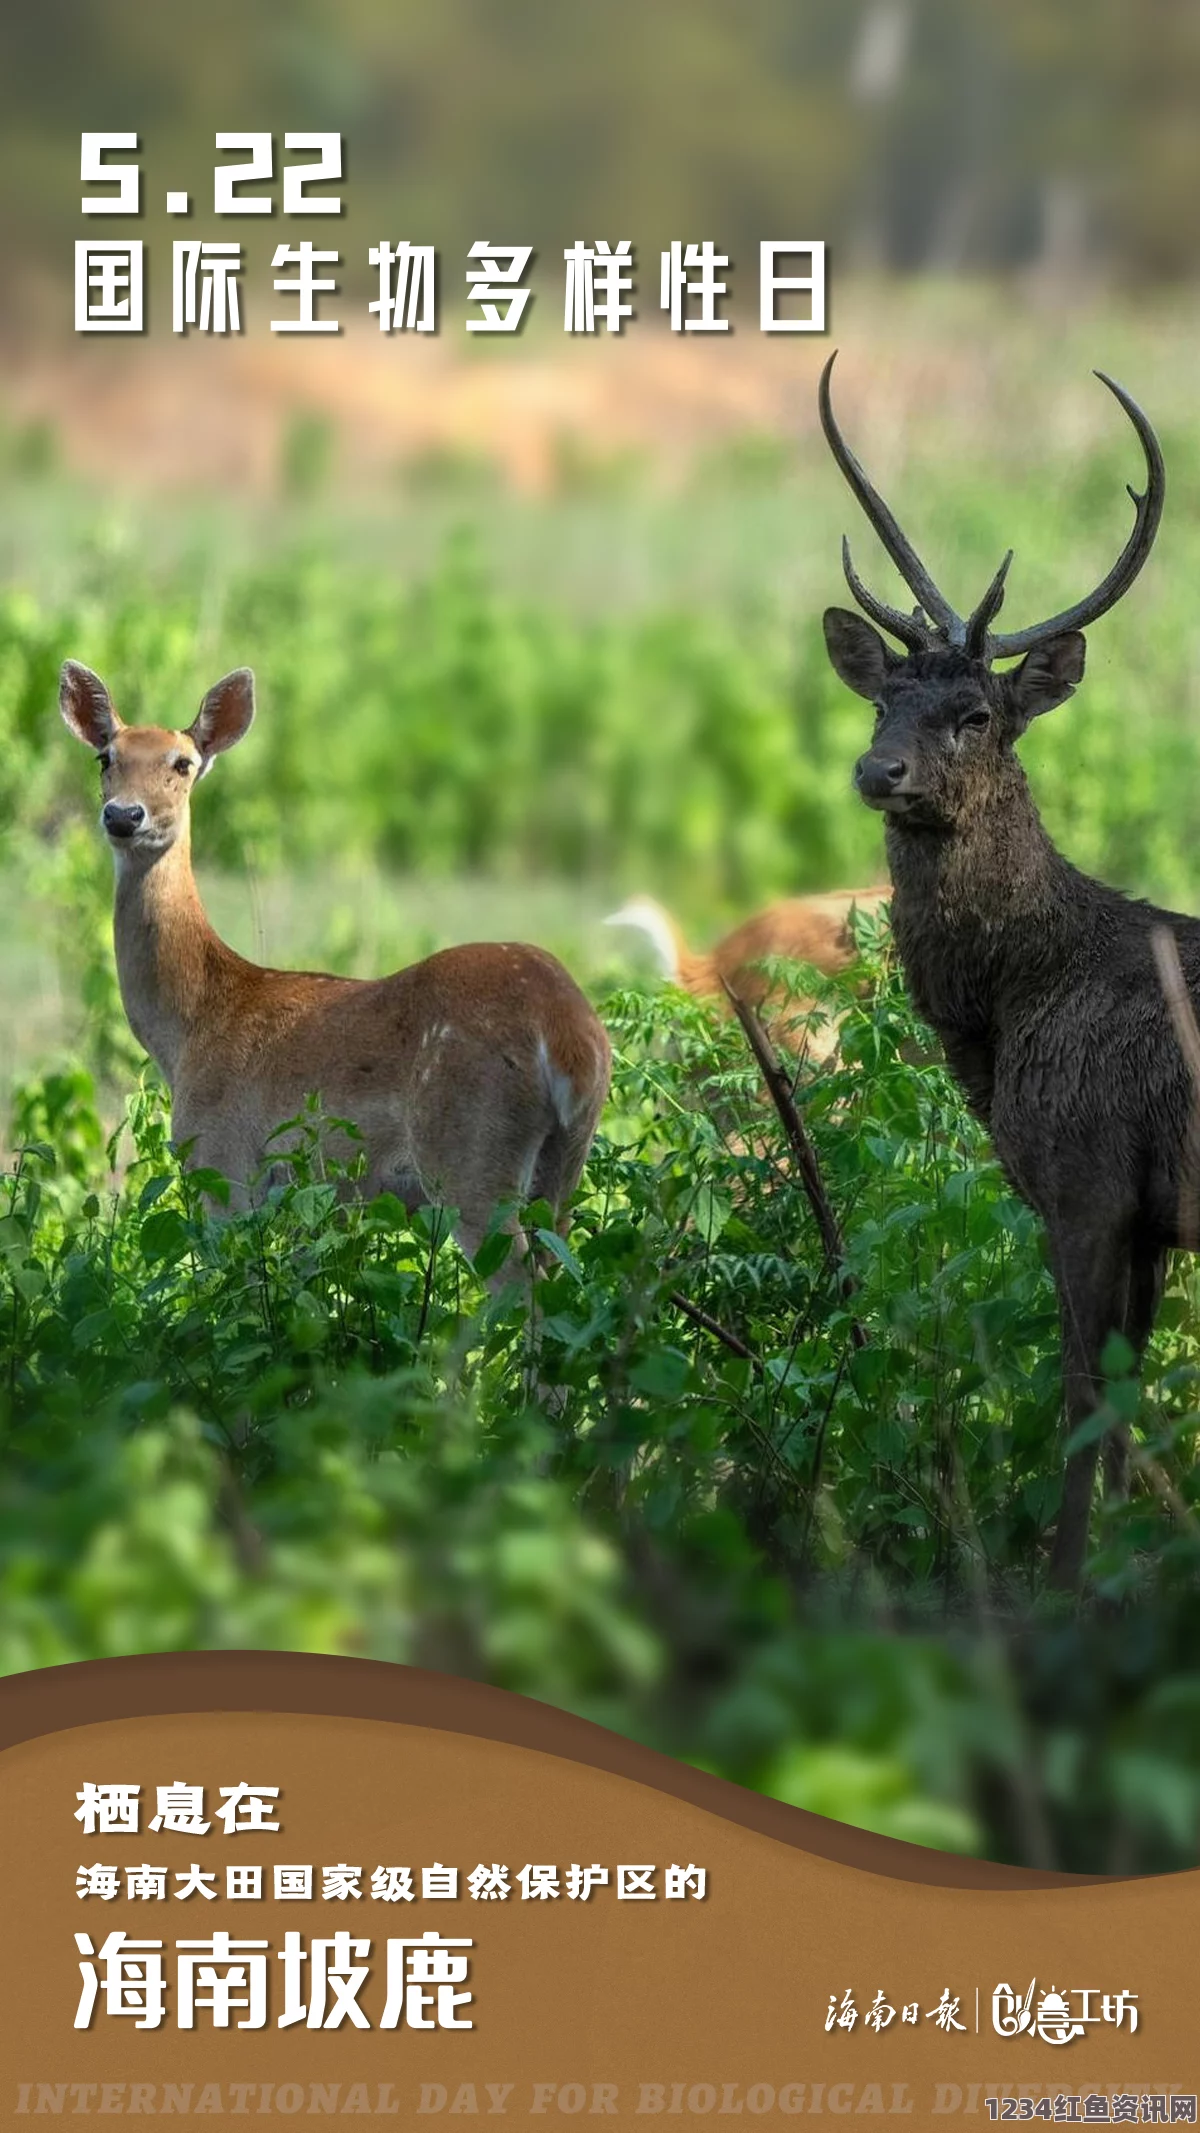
{"type": "Point", "coordinates": [1178, 999]}
{"type": "Point", "coordinates": [779, 1090]}
{"type": "Point", "coordinates": [708, 1324]}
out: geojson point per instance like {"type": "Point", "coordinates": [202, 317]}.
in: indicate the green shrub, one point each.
{"type": "Point", "coordinates": [667, 1487]}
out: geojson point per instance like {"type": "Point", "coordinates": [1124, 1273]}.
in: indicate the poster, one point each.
{"type": "Point", "coordinates": [533, 1287]}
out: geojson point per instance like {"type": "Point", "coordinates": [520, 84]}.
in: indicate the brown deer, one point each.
{"type": "Point", "coordinates": [797, 929]}
{"type": "Point", "coordinates": [1041, 982]}
{"type": "Point", "coordinates": [474, 1077]}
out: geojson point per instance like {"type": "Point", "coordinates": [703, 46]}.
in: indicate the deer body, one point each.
{"type": "Point", "coordinates": [1053, 1019]}
{"type": "Point", "coordinates": [1041, 982]}
{"type": "Point", "coordinates": [474, 1076]}
{"type": "Point", "coordinates": [1043, 989]}
{"type": "Point", "coordinates": [798, 929]}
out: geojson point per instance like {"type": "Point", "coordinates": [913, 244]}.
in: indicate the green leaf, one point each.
{"type": "Point", "coordinates": [559, 1249]}
{"type": "Point", "coordinates": [1117, 1358]}
{"type": "Point", "coordinates": [212, 1184]}
{"type": "Point", "coordinates": [662, 1373]}
{"type": "Point", "coordinates": [1087, 1431]}
{"type": "Point", "coordinates": [165, 1235]}
{"type": "Point", "coordinates": [493, 1253]}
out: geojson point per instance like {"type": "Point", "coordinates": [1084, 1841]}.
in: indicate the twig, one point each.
{"type": "Point", "coordinates": [814, 1480]}
{"type": "Point", "coordinates": [1178, 999]}
{"type": "Point", "coordinates": [435, 1239]}
{"type": "Point", "coordinates": [737, 1347]}
{"type": "Point", "coordinates": [246, 1538]}
{"type": "Point", "coordinates": [802, 1150]}
{"type": "Point", "coordinates": [1164, 1488]}
{"type": "Point", "coordinates": [711, 1325]}
{"type": "Point", "coordinates": [1179, 1004]}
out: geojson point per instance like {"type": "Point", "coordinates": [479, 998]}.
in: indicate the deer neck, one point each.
{"type": "Point", "coordinates": [169, 960]}
{"type": "Point", "coordinates": [983, 913]}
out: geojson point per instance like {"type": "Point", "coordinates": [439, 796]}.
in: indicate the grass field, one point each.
{"type": "Point", "coordinates": [484, 711]}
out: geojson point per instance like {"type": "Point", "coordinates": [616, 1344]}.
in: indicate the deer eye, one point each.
{"type": "Point", "coordinates": [104, 759]}
{"type": "Point", "coordinates": [183, 764]}
{"type": "Point", "coordinates": [974, 721]}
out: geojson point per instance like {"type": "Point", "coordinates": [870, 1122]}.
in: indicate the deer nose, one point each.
{"type": "Point", "coordinates": [878, 777]}
{"type": "Point", "coordinates": [122, 821]}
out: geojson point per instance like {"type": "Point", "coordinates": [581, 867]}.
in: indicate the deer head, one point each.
{"type": "Point", "coordinates": [945, 722]}
{"type": "Point", "coordinates": [147, 772]}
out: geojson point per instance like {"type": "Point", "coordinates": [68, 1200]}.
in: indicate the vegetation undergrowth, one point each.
{"type": "Point", "coordinates": [783, 1517]}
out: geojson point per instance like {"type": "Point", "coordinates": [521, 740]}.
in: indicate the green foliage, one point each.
{"type": "Point", "coordinates": [650, 1473]}
{"type": "Point", "coordinates": [450, 726]}
{"type": "Point", "coordinates": [443, 729]}
{"type": "Point", "coordinates": [658, 1477]}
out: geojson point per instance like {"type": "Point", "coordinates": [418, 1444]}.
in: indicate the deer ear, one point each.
{"type": "Point", "coordinates": [857, 652]}
{"type": "Point", "coordinates": [225, 716]}
{"type": "Point", "coordinates": [1045, 677]}
{"type": "Point", "coordinates": [86, 706]}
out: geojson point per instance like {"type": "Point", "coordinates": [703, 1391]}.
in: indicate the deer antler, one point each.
{"type": "Point", "coordinates": [988, 608]}
{"type": "Point", "coordinates": [1147, 511]}
{"type": "Point", "coordinates": [912, 630]}
{"type": "Point", "coordinates": [975, 636]}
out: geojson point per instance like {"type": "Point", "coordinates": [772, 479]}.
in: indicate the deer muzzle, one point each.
{"type": "Point", "coordinates": [882, 779]}
{"type": "Point", "coordinates": [122, 822]}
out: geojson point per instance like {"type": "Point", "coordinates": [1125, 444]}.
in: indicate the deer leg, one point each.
{"type": "Point", "coordinates": [1147, 1273]}
{"type": "Point", "coordinates": [1116, 1463]}
{"type": "Point", "coordinates": [560, 1166]}
{"type": "Point", "coordinates": [215, 1150]}
{"type": "Point", "coordinates": [546, 1169]}
{"type": "Point", "coordinates": [1092, 1272]}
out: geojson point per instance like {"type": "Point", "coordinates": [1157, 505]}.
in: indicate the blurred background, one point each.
{"type": "Point", "coordinates": [922, 136]}
{"type": "Point", "coordinates": [536, 626]}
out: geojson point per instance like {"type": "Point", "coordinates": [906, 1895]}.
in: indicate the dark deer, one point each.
{"type": "Point", "coordinates": [1040, 982]}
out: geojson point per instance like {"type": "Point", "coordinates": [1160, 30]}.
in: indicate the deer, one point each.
{"type": "Point", "coordinates": [474, 1078]}
{"type": "Point", "coordinates": [797, 929]}
{"type": "Point", "coordinates": [1040, 982]}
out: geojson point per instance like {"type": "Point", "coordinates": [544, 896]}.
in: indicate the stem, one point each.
{"type": "Point", "coordinates": [802, 1150]}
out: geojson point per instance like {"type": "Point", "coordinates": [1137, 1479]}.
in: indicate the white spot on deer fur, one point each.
{"type": "Point", "coordinates": [559, 1087]}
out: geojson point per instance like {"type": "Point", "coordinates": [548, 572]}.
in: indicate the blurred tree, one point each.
{"type": "Point", "coordinates": [1154, 184]}
{"type": "Point", "coordinates": [948, 133]}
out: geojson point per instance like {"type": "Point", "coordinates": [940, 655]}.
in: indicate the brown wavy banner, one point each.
{"type": "Point", "coordinates": [262, 1885]}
